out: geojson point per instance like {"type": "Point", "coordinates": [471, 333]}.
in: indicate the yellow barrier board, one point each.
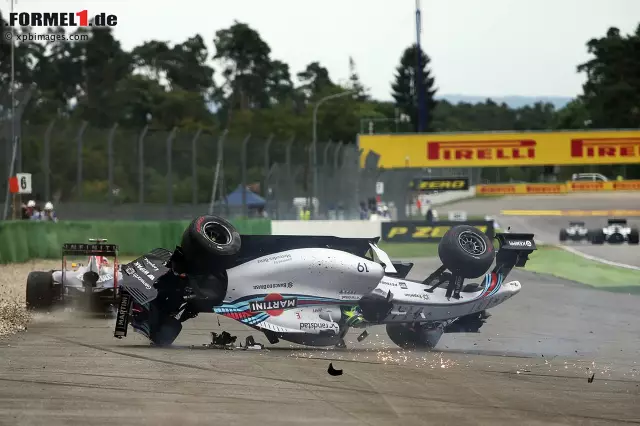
{"type": "Point", "coordinates": [571, 213]}
{"type": "Point", "coordinates": [503, 149]}
{"type": "Point", "coordinates": [556, 188]}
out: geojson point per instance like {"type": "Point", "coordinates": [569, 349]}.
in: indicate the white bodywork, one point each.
{"type": "Point", "coordinates": [577, 230]}
{"type": "Point", "coordinates": [317, 290]}
{"type": "Point", "coordinates": [616, 229]}
{"type": "Point", "coordinates": [72, 281]}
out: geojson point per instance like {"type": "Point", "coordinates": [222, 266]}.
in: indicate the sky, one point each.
{"type": "Point", "coordinates": [477, 47]}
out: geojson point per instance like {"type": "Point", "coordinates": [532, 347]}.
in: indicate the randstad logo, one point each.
{"type": "Point", "coordinates": [482, 150]}
{"type": "Point", "coordinates": [62, 19]}
{"type": "Point", "coordinates": [605, 147]}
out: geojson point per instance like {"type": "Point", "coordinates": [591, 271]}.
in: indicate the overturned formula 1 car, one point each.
{"type": "Point", "coordinates": [312, 289]}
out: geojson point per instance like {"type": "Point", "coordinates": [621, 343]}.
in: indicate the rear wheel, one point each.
{"type": "Point", "coordinates": [634, 236]}
{"type": "Point", "coordinates": [563, 235]}
{"type": "Point", "coordinates": [40, 291]}
{"type": "Point", "coordinates": [415, 336]}
{"type": "Point", "coordinates": [596, 237]}
{"type": "Point", "coordinates": [466, 251]}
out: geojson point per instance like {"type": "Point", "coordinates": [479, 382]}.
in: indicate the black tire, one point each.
{"type": "Point", "coordinates": [596, 237]}
{"type": "Point", "coordinates": [563, 235]}
{"type": "Point", "coordinates": [165, 332]}
{"type": "Point", "coordinates": [466, 251]}
{"type": "Point", "coordinates": [634, 236]}
{"type": "Point", "coordinates": [416, 336]}
{"type": "Point", "coordinates": [210, 244]}
{"type": "Point", "coordinates": [39, 289]}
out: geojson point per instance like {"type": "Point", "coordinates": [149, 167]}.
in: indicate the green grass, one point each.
{"type": "Point", "coordinates": [562, 264]}
{"type": "Point", "coordinates": [401, 251]}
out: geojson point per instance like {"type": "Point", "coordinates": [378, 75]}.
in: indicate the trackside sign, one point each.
{"type": "Point", "coordinates": [439, 184]}
{"type": "Point", "coordinates": [422, 232]}
{"type": "Point", "coordinates": [502, 149]}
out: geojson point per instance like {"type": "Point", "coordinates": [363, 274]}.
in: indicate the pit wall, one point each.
{"type": "Point", "coordinates": [21, 241]}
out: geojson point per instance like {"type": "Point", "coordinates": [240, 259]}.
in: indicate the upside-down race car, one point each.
{"type": "Point", "coordinates": [576, 231]}
{"type": "Point", "coordinates": [617, 231]}
{"type": "Point", "coordinates": [91, 286]}
{"type": "Point", "coordinates": [312, 289]}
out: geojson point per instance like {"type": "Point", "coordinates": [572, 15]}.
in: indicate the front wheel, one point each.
{"type": "Point", "coordinates": [466, 251]}
{"type": "Point", "coordinates": [563, 235]}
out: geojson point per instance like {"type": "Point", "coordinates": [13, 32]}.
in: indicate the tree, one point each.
{"type": "Point", "coordinates": [405, 91]}
{"type": "Point", "coordinates": [246, 64]}
{"type": "Point", "coordinates": [612, 89]}
{"type": "Point", "coordinates": [314, 79]}
{"type": "Point", "coordinates": [362, 93]}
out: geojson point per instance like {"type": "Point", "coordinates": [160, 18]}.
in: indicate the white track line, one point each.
{"type": "Point", "coordinates": [589, 257]}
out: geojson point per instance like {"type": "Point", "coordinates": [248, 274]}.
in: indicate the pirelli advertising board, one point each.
{"type": "Point", "coordinates": [503, 149]}
{"type": "Point", "coordinates": [410, 231]}
{"type": "Point", "coordinates": [426, 184]}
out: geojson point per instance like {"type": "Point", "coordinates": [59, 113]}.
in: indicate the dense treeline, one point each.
{"type": "Point", "coordinates": [166, 86]}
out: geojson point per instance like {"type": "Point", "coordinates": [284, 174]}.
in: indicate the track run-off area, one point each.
{"type": "Point", "coordinates": [529, 365]}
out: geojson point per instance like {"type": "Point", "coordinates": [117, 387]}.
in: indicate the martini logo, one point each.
{"type": "Point", "coordinates": [605, 147]}
{"type": "Point", "coordinates": [273, 304]}
{"type": "Point", "coordinates": [482, 150]}
{"type": "Point", "coordinates": [62, 19]}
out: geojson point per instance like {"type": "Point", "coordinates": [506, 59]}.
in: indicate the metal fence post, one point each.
{"type": "Point", "coordinates": [79, 144]}
{"type": "Point", "coordinates": [267, 164]}
{"type": "Point", "coordinates": [194, 167]}
{"type": "Point", "coordinates": [170, 166]}
{"type": "Point", "coordinates": [141, 164]}
{"type": "Point", "coordinates": [216, 175]}
{"type": "Point", "coordinates": [110, 160]}
{"type": "Point", "coordinates": [243, 161]}
{"type": "Point", "coordinates": [47, 160]}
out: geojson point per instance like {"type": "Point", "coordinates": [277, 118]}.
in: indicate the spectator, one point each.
{"type": "Point", "coordinates": [36, 211]}
{"type": "Point", "coordinates": [27, 210]}
{"type": "Point", "coordinates": [49, 213]}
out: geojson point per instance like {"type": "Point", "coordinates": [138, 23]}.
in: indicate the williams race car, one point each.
{"type": "Point", "coordinates": [576, 231]}
{"type": "Point", "coordinates": [311, 290]}
{"type": "Point", "coordinates": [91, 286]}
{"type": "Point", "coordinates": [617, 231]}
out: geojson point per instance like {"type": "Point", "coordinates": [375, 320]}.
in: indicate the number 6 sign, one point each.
{"type": "Point", "coordinates": [20, 183]}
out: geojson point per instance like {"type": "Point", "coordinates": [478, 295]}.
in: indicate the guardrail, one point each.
{"type": "Point", "coordinates": [556, 188]}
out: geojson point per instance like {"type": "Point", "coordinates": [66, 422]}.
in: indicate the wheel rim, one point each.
{"type": "Point", "coordinates": [472, 243]}
{"type": "Point", "coordinates": [217, 233]}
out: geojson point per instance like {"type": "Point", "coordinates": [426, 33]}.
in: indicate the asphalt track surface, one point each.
{"type": "Point", "coordinates": [528, 366]}
{"type": "Point", "coordinates": [547, 228]}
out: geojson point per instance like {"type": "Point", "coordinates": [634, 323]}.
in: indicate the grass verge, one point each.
{"type": "Point", "coordinates": [562, 264]}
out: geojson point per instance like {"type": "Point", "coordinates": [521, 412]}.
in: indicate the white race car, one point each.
{"type": "Point", "coordinates": [617, 231]}
{"type": "Point", "coordinates": [312, 289]}
{"type": "Point", "coordinates": [576, 231]}
{"type": "Point", "coordinates": [91, 286]}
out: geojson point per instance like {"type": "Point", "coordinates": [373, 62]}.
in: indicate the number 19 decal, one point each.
{"type": "Point", "coordinates": [363, 267]}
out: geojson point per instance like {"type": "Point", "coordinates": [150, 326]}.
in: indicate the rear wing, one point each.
{"type": "Point", "coordinates": [89, 249]}
{"type": "Point", "coordinates": [616, 221]}
{"type": "Point", "coordinates": [576, 223]}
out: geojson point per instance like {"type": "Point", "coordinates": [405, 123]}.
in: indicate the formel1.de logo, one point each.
{"type": "Point", "coordinates": [62, 19]}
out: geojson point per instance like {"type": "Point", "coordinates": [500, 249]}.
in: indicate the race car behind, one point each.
{"type": "Point", "coordinates": [617, 231]}
{"type": "Point", "coordinates": [576, 231]}
{"type": "Point", "coordinates": [91, 286]}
